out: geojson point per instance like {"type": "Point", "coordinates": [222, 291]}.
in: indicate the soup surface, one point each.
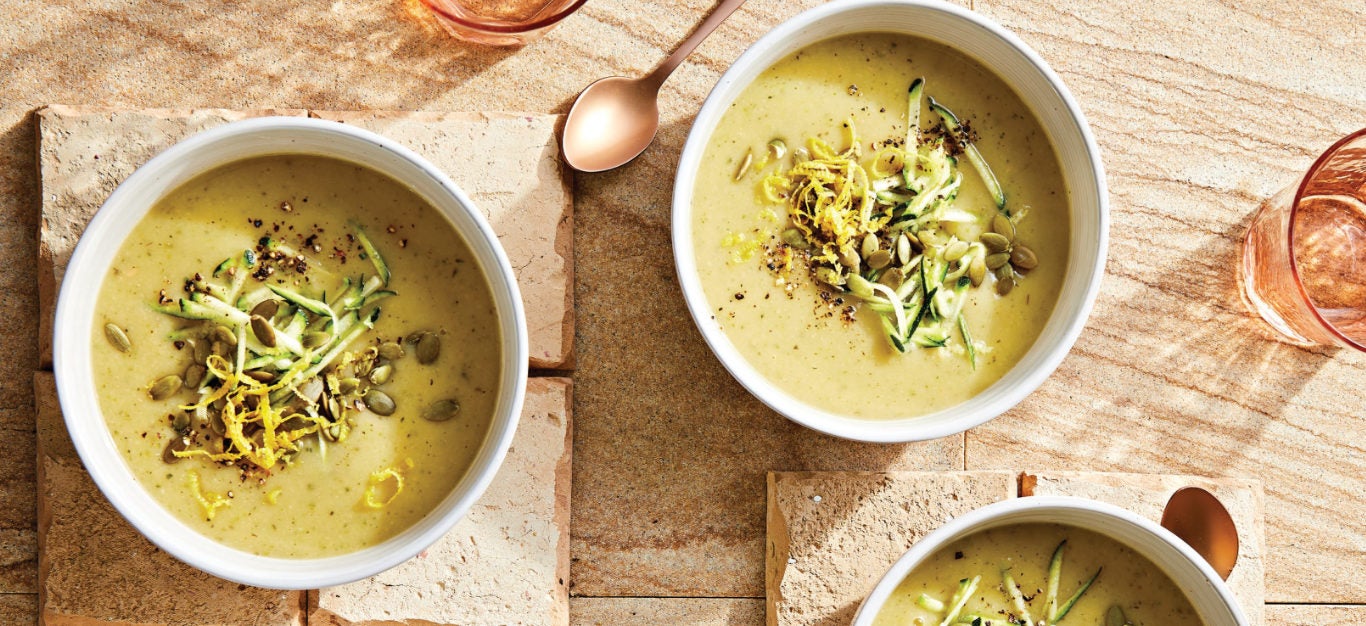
{"type": "Point", "coordinates": [363, 469]}
{"type": "Point", "coordinates": [820, 350]}
{"type": "Point", "coordinates": [1145, 596]}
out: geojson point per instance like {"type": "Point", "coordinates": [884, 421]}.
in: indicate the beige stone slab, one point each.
{"type": "Point", "coordinates": [1315, 614]}
{"type": "Point", "coordinates": [1147, 494]}
{"type": "Point", "coordinates": [655, 611]}
{"type": "Point", "coordinates": [508, 163]}
{"type": "Point", "coordinates": [84, 582]}
{"type": "Point", "coordinates": [507, 562]}
{"type": "Point", "coordinates": [83, 154]}
{"type": "Point", "coordinates": [832, 535]}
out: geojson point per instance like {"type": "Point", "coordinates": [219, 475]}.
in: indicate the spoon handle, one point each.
{"type": "Point", "coordinates": [722, 11]}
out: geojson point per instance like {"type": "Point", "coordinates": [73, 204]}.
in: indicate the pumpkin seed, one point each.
{"type": "Point", "coordinates": [261, 376]}
{"type": "Point", "coordinates": [955, 251]}
{"type": "Point", "coordinates": [315, 339]}
{"type": "Point", "coordinates": [265, 333]}
{"type": "Point", "coordinates": [379, 402]}
{"type": "Point", "coordinates": [224, 334]}
{"type": "Point", "coordinates": [441, 410]}
{"type": "Point", "coordinates": [266, 308]}
{"type": "Point", "coordinates": [903, 249]}
{"type": "Point", "coordinates": [929, 238]}
{"type": "Point", "coordinates": [332, 432]}
{"type": "Point", "coordinates": [117, 337]}
{"type": "Point", "coordinates": [334, 408]}
{"type": "Point", "coordinates": [216, 423]}
{"type": "Point", "coordinates": [164, 387]}
{"type": "Point", "coordinates": [977, 270]}
{"type": "Point", "coordinates": [381, 374]}
{"type": "Point", "coordinates": [744, 166]}
{"type": "Point", "coordinates": [194, 374]}
{"type": "Point", "coordinates": [1024, 258]}
{"type": "Point", "coordinates": [1002, 225]}
{"type": "Point", "coordinates": [363, 367]}
{"type": "Point", "coordinates": [869, 245]}
{"type": "Point", "coordinates": [860, 286]}
{"type": "Point", "coordinates": [777, 148]}
{"type": "Point", "coordinates": [829, 276]}
{"type": "Point", "coordinates": [794, 238]}
{"type": "Point", "coordinates": [916, 243]}
{"type": "Point", "coordinates": [1004, 272]}
{"type": "Point", "coordinates": [428, 349]}
{"type": "Point", "coordinates": [892, 277]}
{"type": "Point", "coordinates": [1004, 285]}
{"type": "Point", "coordinates": [202, 350]}
{"type": "Point", "coordinates": [293, 423]}
{"type": "Point", "coordinates": [181, 422]}
{"type": "Point", "coordinates": [348, 386]}
{"type": "Point", "coordinates": [880, 259]}
{"type": "Point", "coordinates": [176, 444]}
{"type": "Point", "coordinates": [391, 351]}
{"type": "Point", "coordinates": [996, 261]}
{"type": "Point", "coordinates": [995, 242]}
{"type": "Point", "coordinates": [850, 259]}
{"type": "Point", "coordinates": [800, 155]}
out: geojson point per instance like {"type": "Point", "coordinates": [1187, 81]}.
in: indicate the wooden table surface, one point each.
{"type": "Point", "coordinates": [1201, 108]}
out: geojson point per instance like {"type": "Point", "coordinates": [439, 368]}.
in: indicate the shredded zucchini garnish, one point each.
{"type": "Point", "coordinates": [891, 233]}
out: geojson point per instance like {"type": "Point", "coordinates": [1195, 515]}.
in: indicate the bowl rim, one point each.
{"type": "Point", "coordinates": [898, 430]}
{"type": "Point", "coordinates": [984, 518]}
{"type": "Point", "coordinates": [83, 416]}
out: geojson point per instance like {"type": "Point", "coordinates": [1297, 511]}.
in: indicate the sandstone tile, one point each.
{"type": "Point", "coordinates": [18, 608]}
{"type": "Point", "coordinates": [18, 511]}
{"type": "Point", "coordinates": [521, 186]}
{"type": "Point", "coordinates": [507, 562]}
{"type": "Point", "coordinates": [18, 286]}
{"type": "Point", "coordinates": [83, 154]}
{"type": "Point", "coordinates": [82, 582]}
{"type": "Point", "coordinates": [831, 535]}
{"type": "Point", "coordinates": [653, 611]}
{"type": "Point", "coordinates": [1147, 494]}
{"type": "Point", "coordinates": [510, 166]}
{"type": "Point", "coordinates": [1315, 614]}
{"type": "Point", "coordinates": [85, 582]}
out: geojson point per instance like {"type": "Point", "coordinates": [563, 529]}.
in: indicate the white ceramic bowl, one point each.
{"type": "Point", "coordinates": [1061, 118]}
{"type": "Point", "coordinates": [96, 251]}
{"type": "Point", "coordinates": [1206, 591]}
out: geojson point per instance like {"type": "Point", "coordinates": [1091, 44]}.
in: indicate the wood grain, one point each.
{"type": "Point", "coordinates": [654, 611]}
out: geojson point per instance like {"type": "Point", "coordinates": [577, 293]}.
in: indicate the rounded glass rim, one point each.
{"type": "Point", "coordinates": [506, 28]}
{"type": "Point", "coordinates": [1309, 175]}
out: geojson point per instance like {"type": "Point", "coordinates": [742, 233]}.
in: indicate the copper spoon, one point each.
{"type": "Point", "coordinates": [616, 118]}
{"type": "Point", "coordinates": [1199, 519]}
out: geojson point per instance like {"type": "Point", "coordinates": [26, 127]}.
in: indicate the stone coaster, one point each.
{"type": "Point", "coordinates": [93, 567]}
{"type": "Point", "coordinates": [831, 535]}
{"type": "Point", "coordinates": [825, 555]}
{"type": "Point", "coordinates": [507, 562]}
{"type": "Point", "coordinates": [1147, 494]}
{"type": "Point", "coordinates": [508, 163]}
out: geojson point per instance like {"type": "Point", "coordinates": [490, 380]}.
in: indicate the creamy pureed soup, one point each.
{"type": "Point", "coordinates": [1129, 589]}
{"type": "Point", "coordinates": [390, 424]}
{"type": "Point", "coordinates": [819, 350]}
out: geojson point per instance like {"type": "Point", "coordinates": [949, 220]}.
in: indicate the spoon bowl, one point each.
{"type": "Point", "coordinates": [1199, 519]}
{"type": "Point", "coordinates": [616, 118]}
{"type": "Point", "coordinates": [612, 122]}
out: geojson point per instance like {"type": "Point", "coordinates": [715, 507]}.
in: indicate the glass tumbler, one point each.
{"type": "Point", "coordinates": [501, 22]}
{"type": "Point", "coordinates": [1304, 256]}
